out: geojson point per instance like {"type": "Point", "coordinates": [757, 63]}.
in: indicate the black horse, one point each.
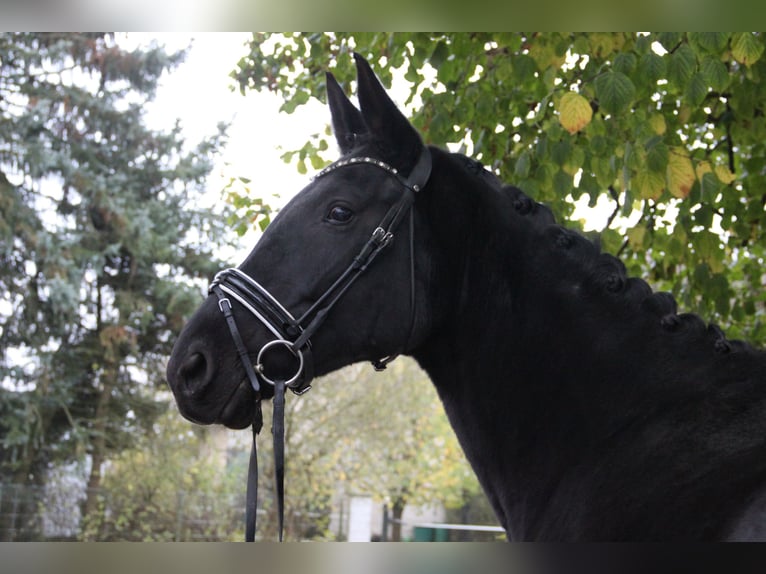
{"type": "Point", "coordinates": [588, 407]}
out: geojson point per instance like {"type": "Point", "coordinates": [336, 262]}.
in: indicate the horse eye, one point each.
{"type": "Point", "coordinates": [339, 214]}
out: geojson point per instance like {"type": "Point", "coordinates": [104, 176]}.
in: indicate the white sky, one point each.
{"type": "Point", "coordinates": [199, 93]}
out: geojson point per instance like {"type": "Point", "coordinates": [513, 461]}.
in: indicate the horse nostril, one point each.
{"type": "Point", "coordinates": [193, 371]}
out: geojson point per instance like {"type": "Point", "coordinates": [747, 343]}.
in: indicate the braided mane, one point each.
{"type": "Point", "coordinates": [602, 275]}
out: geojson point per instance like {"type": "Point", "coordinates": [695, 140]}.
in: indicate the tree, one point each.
{"type": "Point", "coordinates": [100, 238]}
{"type": "Point", "coordinates": [173, 484]}
{"type": "Point", "coordinates": [400, 449]}
{"type": "Point", "coordinates": [668, 128]}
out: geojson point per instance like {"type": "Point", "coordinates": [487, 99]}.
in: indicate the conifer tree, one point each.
{"type": "Point", "coordinates": [100, 238]}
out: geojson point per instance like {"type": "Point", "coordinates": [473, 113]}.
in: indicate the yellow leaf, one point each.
{"type": "Point", "coordinates": [657, 123]}
{"type": "Point", "coordinates": [702, 168]}
{"type": "Point", "coordinates": [602, 44]}
{"type": "Point", "coordinates": [724, 174]}
{"type": "Point", "coordinates": [636, 237]}
{"type": "Point", "coordinates": [649, 184]}
{"type": "Point", "coordinates": [574, 112]}
{"type": "Point", "coordinates": [684, 113]}
{"type": "Point", "coordinates": [746, 48]}
{"type": "Point", "coordinates": [680, 173]}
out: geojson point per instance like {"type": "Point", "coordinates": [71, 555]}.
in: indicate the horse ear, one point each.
{"type": "Point", "coordinates": [347, 122]}
{"type": "Point", "coordinates": [384, 120]}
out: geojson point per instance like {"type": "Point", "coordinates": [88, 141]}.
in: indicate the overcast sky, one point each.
{"type": "Point", "coordinates": [199, 94]}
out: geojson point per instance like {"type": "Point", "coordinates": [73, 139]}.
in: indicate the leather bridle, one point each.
{"type": "Point", "coordinates": [295, 334]}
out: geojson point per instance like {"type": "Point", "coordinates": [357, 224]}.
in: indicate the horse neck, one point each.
{"type": "Point", "coordinates": [488, 354]}
{"type": "Point", "coordinates": [506, 351]}
{"type": "Point", "coordinates": [504, 330]}
{"type": "Point", "coordinates": [525, 354]}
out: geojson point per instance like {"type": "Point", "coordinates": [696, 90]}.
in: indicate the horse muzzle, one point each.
{"type": "Point", "coordinates": [205, 396]}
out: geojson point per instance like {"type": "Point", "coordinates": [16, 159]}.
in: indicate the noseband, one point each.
{"type": "Point", "coordinates": [295, 334]}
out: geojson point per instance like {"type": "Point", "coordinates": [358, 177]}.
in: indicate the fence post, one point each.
{"type": "Point", "coordinates": [179, 516]}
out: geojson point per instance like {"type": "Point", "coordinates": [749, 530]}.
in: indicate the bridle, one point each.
{"type": "Point", "coordinates": [295, 334]}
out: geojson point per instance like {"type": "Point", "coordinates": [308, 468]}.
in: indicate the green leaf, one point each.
{"type": "Point", "coordinates": [697, 89]}
{"type": "Point", "coordinates": [716, 73]}
{"type": "Point", "coordinates": [575, 160]}
{"type": "Point", "coordinates": [603, 171]}
{"type": "Point", "coordinates": [560, 151]}
{"type": "Point", "coordinates": [601, 44]}
{"type": "Point", "coordinates": [652, 66]}
{"type": "Point", "coordinates": [681, 66]}
{"type": "Point", "coordinates": [562, 183]}
{"type": "Point", "coordinates": [713, 42]}
{"type": "Point", "coordinates": [521, 170]}
{"type": "Point", "coordinates": [711, 185]}
{"type": "Point", "coordinates": [704, 216]}
{"type": "Point", "coordinates": [624, 62]}
{"type": "Point", "coordinates": [669, 40]}
{"type": "Point", "coordinates": [611, 240]}
{"type": "Point", "coordinates": [439, 55]}
{"type": "Point", "coordinates": [581, 44]}
{"type": "Point", "coordinates": [643, 44]}
{"type": "Point", "coordinates": [657, 157]}
{"type": "Point", "coordinates": [746, 48]}
{"type": "Point", "coordinates": [615, 92]}
{"type": "Point", "coordinates": [599, 145]}
{"type": "Point", "coordinates": [524, 68]}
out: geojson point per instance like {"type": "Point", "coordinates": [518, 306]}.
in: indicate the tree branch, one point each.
{"type": "Point", "coordinates": [616, 198]}
{"type": "Point", "coordinates": [728, 137]}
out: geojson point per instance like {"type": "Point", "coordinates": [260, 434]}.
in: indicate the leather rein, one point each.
{"type": "Point", "coordinates": [295, 334]}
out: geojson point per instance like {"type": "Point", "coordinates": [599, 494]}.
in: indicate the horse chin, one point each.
{"type": "Point", "coordinates": [239, 412]}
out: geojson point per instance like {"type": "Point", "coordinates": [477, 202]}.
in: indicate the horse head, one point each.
{"type": "Point", "coordinates": [333, 280]}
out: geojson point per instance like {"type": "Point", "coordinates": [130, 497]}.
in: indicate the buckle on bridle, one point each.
{"type": "Point", "coordinates": [381, 237]}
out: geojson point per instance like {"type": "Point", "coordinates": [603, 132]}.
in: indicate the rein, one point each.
{"type": "Point", "coordinates": [295, 334]}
